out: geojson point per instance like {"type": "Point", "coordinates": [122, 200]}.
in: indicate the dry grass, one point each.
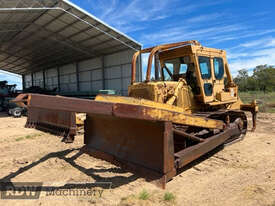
{"type": "Point", "coordinates": [266, 101]}
{"type": "Point", "coordinates": [146, 198]}
{"type": "Point", "coordinates": [19, 139]}
{"type": "Point", "coordinates": [169, 197]}
{"type": "Point", "coordinates": [31, 136]}
{"type": "Point", "coordinates": [144, 195]}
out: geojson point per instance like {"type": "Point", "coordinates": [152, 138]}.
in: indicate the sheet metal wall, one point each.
{"type": "Point", "coordinates": [51, 78]}
{"type": "Point", "coordinates": [108, 72]}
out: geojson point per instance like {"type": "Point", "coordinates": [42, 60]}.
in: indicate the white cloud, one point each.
{"type": "Point", "coordinates": [244, 34]}
{"type": "Point", "coordinates": [203, 18]}
{"type": "Point", "coordinates": [180, 33]}
{"type": "Point", "coordinates": [252, 48]}
{"type": "Point", "coordinates": [253, 59]}
{"type": "Point", "coordinates": [11, 78]}
{"type": "Point", "coordinates": [257, 43]}
{"type": "Point", "coordinates": [191, 6]}
{"type": "Point", "coordinates": [125, 14]}
{"type": "Point", "coordinates": [214, 29]}
{"type": "Point", "coordinates": [121, 14]}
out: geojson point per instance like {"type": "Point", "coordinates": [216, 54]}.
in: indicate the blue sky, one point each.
{"type": "Point", "coordinates": [244, 28]}
{"type": "Point", "coordinates": [11, 78]}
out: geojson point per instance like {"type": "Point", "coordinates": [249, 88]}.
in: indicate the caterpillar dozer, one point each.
{"type": "Point", "coordinates": [186, 107]}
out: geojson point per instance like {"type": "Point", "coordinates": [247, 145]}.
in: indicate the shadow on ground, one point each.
{"type": "Point", "coordinates": [116, 181]}
{"type": "Point", "coordinates": [201, 159]}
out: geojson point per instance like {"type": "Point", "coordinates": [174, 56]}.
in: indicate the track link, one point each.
{"type": "Point", "coordinates": [229, 116]}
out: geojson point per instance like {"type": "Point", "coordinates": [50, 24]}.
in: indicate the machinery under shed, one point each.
{"type": "Point", "coordinates": [55, 44]}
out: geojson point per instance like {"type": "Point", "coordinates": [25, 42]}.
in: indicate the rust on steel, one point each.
{"type": "Point", "coordinates": [253, 108]}
{"type": "Point", "coordinates": [68, 104]}
{"type": "Point", "coordinates": [58, 122]}
{"type": "Point", "coordinates": [153, 51]}
{"type": "Point", "coordinates": [189, 136]}
{"type": "Point", "coordinates": [191, 153]}
{"type": "Point", "coordinates": [123, 144]}
{"type": "Point", "coordinates": [163, 125]}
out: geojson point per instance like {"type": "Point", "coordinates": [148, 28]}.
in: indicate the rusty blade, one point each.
{"type": "Point", "coordinates": [59, 123]}
{"type": "Point", "coordinates": [69, 104]}
{"type": "Point", "coordinates": [120, 110]}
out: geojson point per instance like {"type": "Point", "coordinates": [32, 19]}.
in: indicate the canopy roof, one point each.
{"type": "Point", "coordinates": [40, 34]}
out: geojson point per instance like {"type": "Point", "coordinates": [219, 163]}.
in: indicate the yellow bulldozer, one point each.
{"type": "Point", "coordinates": [187, 106]}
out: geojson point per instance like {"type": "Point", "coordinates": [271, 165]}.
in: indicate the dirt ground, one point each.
{"type": "Point", "coordinates": [240, 174]}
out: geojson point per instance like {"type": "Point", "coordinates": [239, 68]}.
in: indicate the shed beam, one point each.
{"type": "Point", "coordinates": [101, 43]}
{"type": "Point", "coordinates": [58, 79]}
{"type": "Point", "coordinates": [44, 79]}
{"type": "Point", "coordinates": [93, 37]}
{"type": "Point", "coordinates": [38, 42]}
{"type": "Point", "coordinates": [23, 82]}
{"type": "Point", "coordinates": [44, 55]}
{"type": "Point", "coordinates": [103, 71]}
{"type": "Point", "coordinates": [61, 40]}
{"type": "Point", "coordinates": [77, 76]}
{"type": "Point", "coordinates": [34, 20]}
{"type": "Point", "coordinates": [32, 79]}
{"type": "Point", "coordinates": [55, 62]}
{"type": "Point", "coordinates": [32, 23]}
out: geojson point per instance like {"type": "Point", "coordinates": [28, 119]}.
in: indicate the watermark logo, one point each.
{"type": "Point", "coordinates": [92, 190]}
{"type": "Point", "coordinates": [32, 190]}
{"type": "Point", "coordinates": [21, 190]}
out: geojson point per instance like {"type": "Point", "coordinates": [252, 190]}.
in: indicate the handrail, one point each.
{"type": "Point", "coordinates": [153, 51]}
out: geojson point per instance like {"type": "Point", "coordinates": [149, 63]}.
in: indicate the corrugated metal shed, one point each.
{"type": "Point", "coordinates": [43, 34]}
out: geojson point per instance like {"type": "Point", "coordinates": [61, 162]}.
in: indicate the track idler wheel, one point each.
{"type": "Point", "coordinates": [237, 136]}
{"type": "Point", "coordinates": [68, 139]}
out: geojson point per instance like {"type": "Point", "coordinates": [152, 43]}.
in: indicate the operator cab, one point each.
{"type": "Point", "coordinates": [204, 70]}
{"type": "Point", "coordinates": [188, 69]}
{"type": "Point", "coordinates": [180, 67]}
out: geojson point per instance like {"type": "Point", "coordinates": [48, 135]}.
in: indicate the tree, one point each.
{"type": "Point", "coordinates": [241, 79]}
{"type": "Point", "coordinates": [263, 79]}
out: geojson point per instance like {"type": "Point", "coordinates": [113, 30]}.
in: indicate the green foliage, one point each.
{"type": "Point", "coordinates": [19, 139]}
{"type": "Point", "coordinates": [263, 79]}
{"type": "Point", "coordinates": [31, 136]}
{"type": "Point", "coordinates": [144, 195]}
{"type": "Point", "coordinates": [266, 101]}
{"type": "Point", "coordinates": [168, 196]}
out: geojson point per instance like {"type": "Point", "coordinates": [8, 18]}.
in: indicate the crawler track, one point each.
{"type": "Point", "coordinates": [230, 115]}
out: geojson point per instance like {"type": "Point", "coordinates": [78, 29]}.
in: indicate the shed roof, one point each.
{"type": "Point", "coordinates": [40, 34]}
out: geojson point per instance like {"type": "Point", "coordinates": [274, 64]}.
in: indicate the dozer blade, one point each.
{"type": "Point", "coordinates": [152, 142]}
{"type": "Point", "coordinates": [154, 149]}
{"type": "Point", "coordinates": [61, 123]}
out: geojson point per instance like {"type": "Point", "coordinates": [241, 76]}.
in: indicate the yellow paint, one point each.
{"type": "Point", "coordinates": [174, 100]}
{"type": "Point", "coordinates": [164, 112]}
{"type": "Point", "coordinates": [135, 101]}
{"type": "Point", "coordinates": [181, 118]}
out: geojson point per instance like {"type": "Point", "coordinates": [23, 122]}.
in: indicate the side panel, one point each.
{"type": "Point", "coordinates": [38, 79]}
{"type": "Point", "coordinates": [68, 78]}
{"type": "Point", "coordinates": [28, 80]}
{"type": "Point", "coordinates": [117, 71]}
{"type": "Point", "coordinates": [51, 78]}
{"type": "Point", "coordinates": [90, 75]}
{"type": "Point", "coordinates": [110, 72]}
